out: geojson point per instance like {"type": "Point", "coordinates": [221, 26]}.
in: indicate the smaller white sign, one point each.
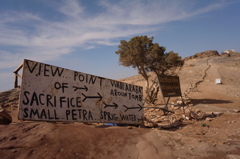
{"type": "Point", "coordinates": [218, 81]}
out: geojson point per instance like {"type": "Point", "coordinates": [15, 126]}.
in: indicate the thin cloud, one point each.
{"type": "Point", "coordinates": [35, 37]}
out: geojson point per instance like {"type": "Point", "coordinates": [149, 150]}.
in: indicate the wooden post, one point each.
{"type": "Point", "coordinates": [164, 101]}
{"type": "Point", "coordinates": [16, 81]}
{"type": "Point", "coordinates": [16, 75]}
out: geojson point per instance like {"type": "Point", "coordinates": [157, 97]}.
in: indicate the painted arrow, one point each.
{"type": "Point", "coordinates": [76, 88]}
{"type": "Point", "coordinates": [139, 107]}
{"type": "Point", "coordinates": [114, 105]}
{"type": "Point", "coordinates": [85, 97]}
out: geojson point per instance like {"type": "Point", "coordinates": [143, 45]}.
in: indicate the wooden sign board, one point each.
{"type": "Point", "coordinates": [50, 93]}
{"type": "Point", "coordinates": [170, 86]}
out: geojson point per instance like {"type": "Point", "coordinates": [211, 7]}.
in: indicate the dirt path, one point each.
{"type": "Point", "coordinates": [205, 94]}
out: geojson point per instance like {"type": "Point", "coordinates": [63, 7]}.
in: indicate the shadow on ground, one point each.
{"type": "Point", "coordinates": [209, 101]}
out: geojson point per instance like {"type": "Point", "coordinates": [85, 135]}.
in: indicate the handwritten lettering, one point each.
{"type": "Point", "coordinates": [126, 86]}
{"type": "Point", "coordinates": [48, 70]}
{"type": "Point", "coordinates": [56, 94]}
{"type": "Point", "coordinates": [48, 100]}
{"type": "Point", "coordinates": [130, 117]}
{"type": "Point", "coordinates": [107, 116]}
{"type": "Point", "coordinates": [114, 92]}
{"type": "Point", "coordinates": [79, 114]}
{"type": "Point", "coordinates": [135, 97]}
{"type": "Point", "coordinates": [84, 78]}
{"type": "Point", "coordinates": [40, 114]}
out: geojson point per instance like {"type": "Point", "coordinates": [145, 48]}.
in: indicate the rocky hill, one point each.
{"type": "Point", "coordinates": [209, 53]}
{"type": "Point", "coordinates": [209, 126]}
{"type": "Point", "coordinates": [212, 53]}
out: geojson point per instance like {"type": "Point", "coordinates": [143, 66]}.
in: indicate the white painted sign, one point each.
{"type": "Point", "coordinates": [51, 93]}
{"type": "Point", "coordinates": [218, 81]}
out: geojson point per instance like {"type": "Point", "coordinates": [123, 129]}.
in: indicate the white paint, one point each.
{"type": "Point", "coordinates": [51, 93]}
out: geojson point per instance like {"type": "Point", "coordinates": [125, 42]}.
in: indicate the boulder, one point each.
{"type": "Point", "coordinates": [194, 115]}
{"type": "Point", "coordinates": [5, 118]}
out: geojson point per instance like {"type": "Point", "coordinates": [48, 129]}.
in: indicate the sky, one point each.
{"type": "Point", "coordinates": [83, 35]}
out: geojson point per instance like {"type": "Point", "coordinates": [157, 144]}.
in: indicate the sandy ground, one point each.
{"type": "Point", "coordinates": [214, 137]}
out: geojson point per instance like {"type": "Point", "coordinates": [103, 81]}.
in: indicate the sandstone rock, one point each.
{"type": "Point", "coordinates": [179, 102]}
{"type": "Point", "coordinates": [204, 54]}
{"type": "Point", "coordinates": [209, 119]}
{"type": "Point", "coordinates": [236, 111]}
{"type": "Point", "coordinates": [5, 118]}
{"type": "Point", "coordinates": [234, 54]}
{"type": "Point", "coordinates": [216, 113]}
{"type": "Point", "coordinates": [173, 125]}
{"type": "Point", "coordinates": [187, 118]}
{"type": "Point", "coordinates": [225, 55]}
{"type": "Point", "coordinates": [187, 102]}
{"type": "Point", "coordinates": [150, 124]}
{"type": "Point", "coordinates": [194, 115]}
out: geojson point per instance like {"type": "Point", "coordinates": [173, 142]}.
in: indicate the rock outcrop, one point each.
{"type": "Point", "coordinates": [9, 106]}
{"type": "Point", "coordinates": [5, 118]}
{"type": "Point", "coordinates": [209, 53]}
{"type": "Point", "coordinates": [231, 54]}
{"type": "Point", "coordinates": [212, 53]}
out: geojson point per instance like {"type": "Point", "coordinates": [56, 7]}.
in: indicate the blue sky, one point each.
{"type": "Point", "coordinates": [83, 35]}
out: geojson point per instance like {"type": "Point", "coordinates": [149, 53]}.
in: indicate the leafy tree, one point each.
{"type": "Point", "coordinates": [167, 61]}
{"type": "Point", "coordinates": [141, 53]}
{"type": "Point", "coordinates": [134, 53]}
